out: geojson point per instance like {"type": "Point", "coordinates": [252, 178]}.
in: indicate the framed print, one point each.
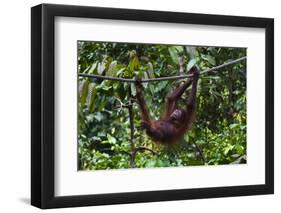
{"type": "Point", "coordinates": [139, 106]}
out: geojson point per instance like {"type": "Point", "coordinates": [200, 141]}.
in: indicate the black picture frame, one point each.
{"type": "Point", "coordinates": [43, 117]}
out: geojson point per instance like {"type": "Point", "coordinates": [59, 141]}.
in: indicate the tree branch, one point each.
{"type": "Point", "coordinates": [143, 148]}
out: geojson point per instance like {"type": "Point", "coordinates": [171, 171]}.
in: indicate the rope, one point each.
{"type": "Point", "coordinates": [161, 78]}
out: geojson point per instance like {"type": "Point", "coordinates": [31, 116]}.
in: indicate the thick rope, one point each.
{"type": "Point", "coordinates": [162, 78]}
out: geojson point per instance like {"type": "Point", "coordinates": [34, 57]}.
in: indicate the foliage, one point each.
{"type": "Point", "coordinates": [218, 135]}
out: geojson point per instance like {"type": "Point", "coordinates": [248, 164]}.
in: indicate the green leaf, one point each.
{"type": "Point", "coordinates": [162, 163]}
{"type": "Point", "coordinates": [92, 69]}
{"type": "Point", "coordinates": [145, 77]}
{"type": "Point", "coordinates": [151, 163]}
{"type": "Point", "coordinates": [101, 68]}
{"type": "Point", "coordinates": [151, 88]}
{"type": "Point", "coordinates": [106, 88]}
{"type": "Point", "coordinates": [243, 127]}
{"type": "Point", "coordinates": [107, 60]}
{"type": "Point", "coordinates": [84, 92]}
{"type": "Point", "coordinates": [235, 155]}
{"type": "Point", "coordinates": [210, 59]}
{"type": "Point", "coordinates": [232, 126]}
{"type": "Point", "coordinates": [191, 63]}
{"type": "Point", "coordinates": [91, 99]}
{"type": "Point", "coordinates": [161, 85]}
{"type": "Point", "coordinates": [101, 134]}
{"type": "Point", "coordinates": [111, 139]}
{"type": "Point", "coordinates": [133, 89]}
{"type": "Point", "coordinates": [186, 138]}
{"type": "Point", "coordinates": [98, 116]}
{"type": "Point", "coordinates": [227, 149]}
{"type": "Point", "coordinates": [120, 72]}
{"type": "Point", "coordinates": [240, 149]}
{"type": "Point", "coordinates": [191, 51]}
{"type": "Point", "coordinates": [95, 138]}
{"type": "Point", "coordinates": [111, 69]}
{"type": "Point", "coordinates": [174, 54]}
{"type": "Point", "coordinates": [150, 70]}
{"type": "Point", "coordinates": [134, 64]}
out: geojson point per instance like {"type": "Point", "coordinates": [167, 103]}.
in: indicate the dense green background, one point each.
{"type": "Point", "coordinates": [218, 135]}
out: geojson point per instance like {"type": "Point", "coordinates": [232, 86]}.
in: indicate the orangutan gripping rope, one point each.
{"type": "Point", "coordinates": [175, 122]}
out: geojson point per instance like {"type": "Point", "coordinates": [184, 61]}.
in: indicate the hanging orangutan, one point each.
{"type": "Point", "coordinates": [174, 122]}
